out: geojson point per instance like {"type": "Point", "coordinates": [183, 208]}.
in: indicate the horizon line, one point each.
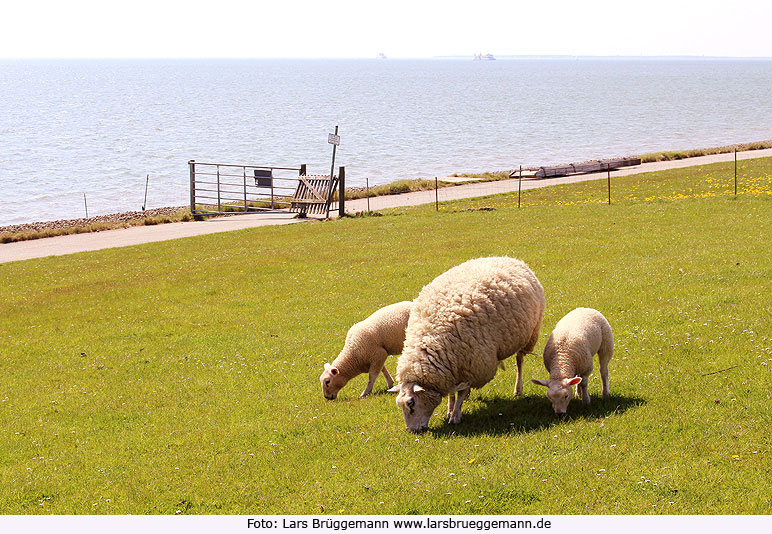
{"type": "Point", "coordinates": [450, 56]}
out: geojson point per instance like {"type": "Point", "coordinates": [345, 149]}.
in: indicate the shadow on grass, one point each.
{"type": "Point", "coordinates": [496, 416]}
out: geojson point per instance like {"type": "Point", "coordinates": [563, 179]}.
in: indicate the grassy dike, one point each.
{"type": "Point", "coordinates": [182, 376]}
{"type": "Point", "coordinates": [171, 215]}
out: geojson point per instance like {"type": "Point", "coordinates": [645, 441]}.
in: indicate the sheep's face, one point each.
{"type": "Point", "coordinates": [332, 382]}
{"type": "Point", "coordinates": [418, 405]}
{"type": "Point", "coordinates": [560, 392]}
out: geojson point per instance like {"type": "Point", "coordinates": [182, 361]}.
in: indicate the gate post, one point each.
{"type": "Point", "coordinates": [192, 165]}
{"type": "Point", "coordinates": [341, 191]}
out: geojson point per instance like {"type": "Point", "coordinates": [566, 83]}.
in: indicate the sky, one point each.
{"type": "Point", "coordinates": [397, 28]}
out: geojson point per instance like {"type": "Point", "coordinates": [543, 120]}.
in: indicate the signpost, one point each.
{"type": "Point", "coordinates": [334, 140]}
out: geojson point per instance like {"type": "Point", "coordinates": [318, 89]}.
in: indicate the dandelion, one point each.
{"type": "Point", "coordinates": [473, 460]}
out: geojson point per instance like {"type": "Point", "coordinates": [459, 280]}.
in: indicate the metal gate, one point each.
{"type": "Point", "coordinates": [220, 188]}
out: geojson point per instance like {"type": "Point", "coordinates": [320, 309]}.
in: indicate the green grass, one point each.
{"type": "Point", "coordinates": [683, 154]}
{"type": "Point", "coordinates": [183, 375]}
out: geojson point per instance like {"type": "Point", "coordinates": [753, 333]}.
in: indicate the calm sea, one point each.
{"type": "Point", "coordinates": [100, 127]}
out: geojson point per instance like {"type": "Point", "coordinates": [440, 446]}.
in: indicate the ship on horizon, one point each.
{"type": "Point", "coordinates": [486, 57]}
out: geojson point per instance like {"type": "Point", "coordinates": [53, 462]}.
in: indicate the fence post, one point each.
{"type": "Point", "coordinates": [192, 165]}
{"type": "Point", "coordinates": [219, 200]}
{"type": "Point", "coordinates": [367, 184]}
{"type": "Point", "coordinates": [436, 196]}
{"type": "Point", "coordinates": [735, 171]}
{"type": "Point", "coordinates": [519, 186]}
{"type": "Point", "coordinates": [147, 181]}
{"type": "Point", "coordinates": [608, 171]}
{"type": "Point", "coordinates": [245, 189]}
{"type": "Point", "coordinates": [272, 199]}
{"type": "Point", "coordinates": [341, 191]}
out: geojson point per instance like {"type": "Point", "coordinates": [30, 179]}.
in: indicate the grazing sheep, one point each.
{"type": "Point", "coordinates": [368, 344]}
{"type": "Point", "coordinates": [579, 335]}
{"type": "Point", "coordinates": [461, 326]}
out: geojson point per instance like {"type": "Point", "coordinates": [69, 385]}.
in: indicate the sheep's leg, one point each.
{"type": "Point", "coordinates": [519, 381]}
{"type": "Point", "coordinates": [460, 398]}
{"type": "Point", "coordinates": [370, 382]}
{"type": "Point", "coordinates": [451, 404]}
{"type": "Point", "coordinates": [604, 380]}
{"type": "Point", "coordinates": [604, 356]}
{"type": "Point", "coordinates": [605, 353]}
{"type": "Point", "coordinates": [583, 390]}
{"type": "Point", "coordinates": [387, 376]}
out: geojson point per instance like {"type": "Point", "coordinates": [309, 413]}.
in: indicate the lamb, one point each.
{"type": "Point", "coordinates": [568, 354]}
{"type": "Point", "coordinates": [462, 325]}
{"type": "Point", "coordinates": [368, 344]}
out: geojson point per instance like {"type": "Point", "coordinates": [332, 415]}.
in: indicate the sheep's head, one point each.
{"type": "Point", "coordinates": [332, 382]}
{"type": "Point", "coordinates": [417, 405]}
{"type": "Point", "coordinates": [559, 392]}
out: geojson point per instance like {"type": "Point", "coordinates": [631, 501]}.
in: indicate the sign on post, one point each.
{"type": "Point", "coordinates": [334, 140]}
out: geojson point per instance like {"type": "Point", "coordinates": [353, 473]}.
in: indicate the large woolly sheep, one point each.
{"type": "Point", "coordinates": [461, 326]}
{"type": "Point", "coordinates": [368, 344]}
{"type": "Point", "coordinates": [568, 354]}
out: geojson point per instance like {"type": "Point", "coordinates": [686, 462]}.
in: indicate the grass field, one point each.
{"type": "Point", "coordinates": [182, 377]}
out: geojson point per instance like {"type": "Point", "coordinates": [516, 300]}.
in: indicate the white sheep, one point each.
{"type": "Point", "coordinates": [461, 326]}
{"type": "Point", "coordinates": [568, 354]}
{"type": "Point", "coordinates": [368, 344]}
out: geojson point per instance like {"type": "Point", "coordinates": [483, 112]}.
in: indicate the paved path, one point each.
{"type": "Point", "coordinates": [69, 244]}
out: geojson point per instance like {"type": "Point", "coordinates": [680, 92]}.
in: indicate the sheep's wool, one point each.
{"type": "Point", "coordinates": [467, 320]}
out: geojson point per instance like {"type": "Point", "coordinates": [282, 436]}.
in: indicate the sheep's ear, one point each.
{"type": "Point", "coordinates": [393, 389]}
{"type": "Point", "coordinates": [540, 382]}
{"type": "Point", "coordinates": [575, 380]}
{"type": "Point", "coordinates": [417, 388]}
{"type": "Point", "coordinates": [327, 366]}
{"type": "Point", "coordinates": [334, 371]}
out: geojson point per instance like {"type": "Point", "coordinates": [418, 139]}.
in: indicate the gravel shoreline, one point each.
{"type": "Point", "coordinates": [113, 218]}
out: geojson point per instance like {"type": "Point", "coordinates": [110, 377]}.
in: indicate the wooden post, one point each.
{"type": "Point", "coordinates": [303, 170]}
{"type": "Point", "coordinates": [341, 191]}
{"type": "Point", "coordinates": [85, 204]}
{"type": "Point", "coordinates": [436, 195]}
{"type": "Point", "coordinates": [735, 171]}
{"type": "Point", "coordinates": [367, 183]}
{"type": "Point", "coordinates": [608, 171]}
{"type": "Point", "coordinates": [519, 186]}
{"type": "Point", "coordinates": [192, 165]}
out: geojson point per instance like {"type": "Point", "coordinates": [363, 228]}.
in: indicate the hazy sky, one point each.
{"type": "Point", "coordinates": [398, 28]}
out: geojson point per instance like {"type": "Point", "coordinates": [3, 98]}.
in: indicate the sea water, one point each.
{"type": "Point", "coordinates": [106, 129]}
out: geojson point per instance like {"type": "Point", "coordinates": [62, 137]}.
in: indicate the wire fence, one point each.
{"type": "Point", "coordinates": [730, 178]}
